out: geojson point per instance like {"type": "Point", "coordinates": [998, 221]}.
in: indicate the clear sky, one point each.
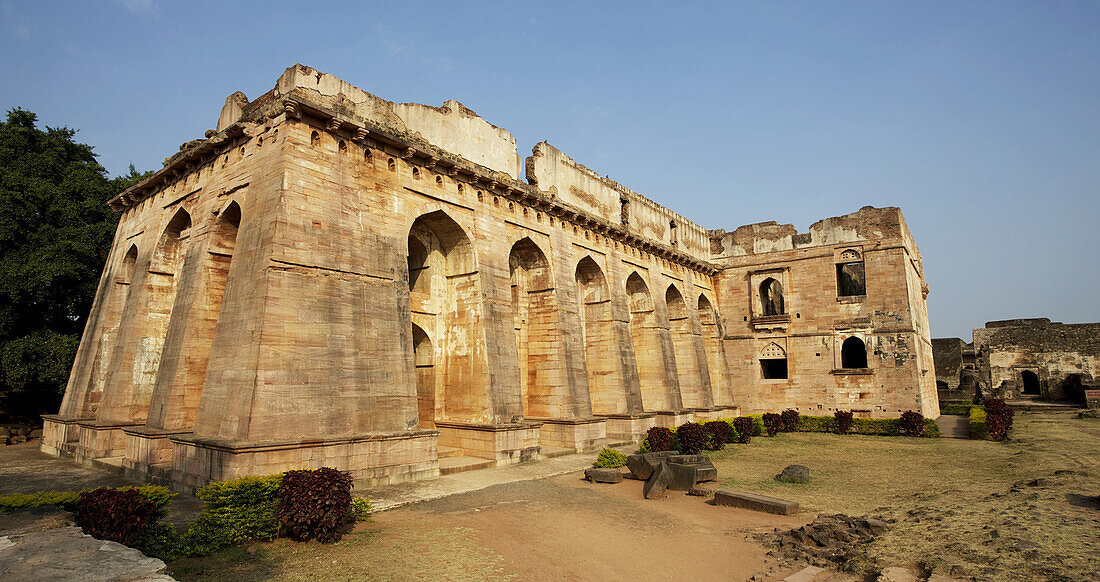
{"type": "Point", "coordinates": [981, 120]}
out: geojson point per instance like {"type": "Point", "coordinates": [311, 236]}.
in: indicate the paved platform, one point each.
{"type": "Point", "coordinates": [954, 426]}
{"type": "Point", "coordinates": [394, 496]}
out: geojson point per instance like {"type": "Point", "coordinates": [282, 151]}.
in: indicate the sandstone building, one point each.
{"type": "Point", "coordinates": [1021, 359]}
{"type": "Point", "coordinates": [329, 278]}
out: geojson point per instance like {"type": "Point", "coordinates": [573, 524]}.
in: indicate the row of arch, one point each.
{"type": "Point", "coordinates": [152, 344]}
{"type": "Point", "coordinates": [664, 368]}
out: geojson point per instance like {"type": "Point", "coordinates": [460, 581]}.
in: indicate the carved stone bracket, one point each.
{"type": "Point", "coordinates": [292, 110]}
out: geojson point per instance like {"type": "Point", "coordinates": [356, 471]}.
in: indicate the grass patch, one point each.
{"type": "Point", "coordinates": [960, 504]}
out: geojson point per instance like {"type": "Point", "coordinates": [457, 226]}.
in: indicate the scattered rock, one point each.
{"type": "Point", "coordinates": [897, 575]}
{"type": "Point", "coordinates": [599, 475]}
{"type": "Point", "coordinates": [35, 434]}
{"type": "Point", "coordinates": [830, 541]}
{"type": "Point", "coordinates": [65, 553]}
{"type": "Point", "coordinates": [700, 491]}
{"type": "Point", "coordinates": [642, 466]}
{"type": "Point", "coordinates": [794, 474]}
{"type": "Point", "coordinates": [1091, 413]}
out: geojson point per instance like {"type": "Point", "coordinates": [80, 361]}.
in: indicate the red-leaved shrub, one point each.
{"type": "Point", "coordinates": [693, 438]}
{"type": "Point", "coordinates": [660, 439]}
{"type": "Point", "coordinates": [720, 433]}
{"type": "Point", "coordinates": [745, 428]}
{"type": "Point", "coordinates": [773, 423]}
{"type": "Point", "coordinates": [998, 418]}
{"type": "Point", "coordinates": [912, 424]}
{"type": "Point", "coordinates": [118, 515]}
{"type": "Point", "coordinates": [314, 504]}
{"type": "Point", "coordinates": [789, 420]}
{"type": "Point", "coordinates": [843, 419]}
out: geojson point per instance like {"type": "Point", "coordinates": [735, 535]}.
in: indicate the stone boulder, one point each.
{"type": "Point", "coordinates": [794, 474]}
{"type": "Point", "coordinates": [603, 475]}
{"type": "Point", "coordinates": [642, 466]}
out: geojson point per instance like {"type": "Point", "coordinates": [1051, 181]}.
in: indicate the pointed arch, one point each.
{"type": "Point", "coordinates": [424, 362]}
{"type": "Point", "coordinates": [445, 303]}
{"type": "Point", "coordinates": [688, 367]}
{"type": "Point", "coordinates": [537, 329]}
{"type": "Point", "coordinates": [648, 347]}
{"type": "Point", "coordinates": [853, 353]}
{"type": "Point", "coordinates": [721, 389]}
{"type": "Point", "coordinates": [771, 297]}
{"type": "Point", "coordinates": [606, 386]}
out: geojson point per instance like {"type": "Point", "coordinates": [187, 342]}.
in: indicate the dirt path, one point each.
{"type": "Point", "coordinates": [565, 528]}
{"type": "Point", "coordinates": [954, 426]}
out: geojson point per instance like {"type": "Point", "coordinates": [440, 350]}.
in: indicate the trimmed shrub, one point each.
{"type": "Point", "coordinates": [745, 428]}
{"type": "Point", "coordinates": [842, 420]}
{"type": "Point", "coordinates": [361, 508]}
{"type": "Point", "coordinates": [62, 499]}
{"type": "Point", "coordinates": [610, 459]}
{"type": "Point", "coordinates": [956, 409]}
{"type": "Point", "coordinates": [789, 420]}
{"type": "Point", "coordinates": [931, 429]}
{"type": "Point", "coordinates": [720, 432]}
{"type": "Point", "coordinates": [234, 511]}
{"type": "Point", "coordinates": [979, 429]}
{"type": "Point", "coordinates": [912, 423]}
{"type": "Point", "coordinates": [660, 439]}
{"type": "Point", "coordinates": [117, 515]}
{"type": "Point", "coordinates": [773, 423]}
{"type": "Point", "coordinates": [815, 424]}
{"type": "Point", "coordinates": [693, 438]}
{"type": "Point", "coordinates": [314, 504]}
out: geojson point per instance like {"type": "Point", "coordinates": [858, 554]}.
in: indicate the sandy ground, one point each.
{"type": "Point", "coordinates": [565, 528]}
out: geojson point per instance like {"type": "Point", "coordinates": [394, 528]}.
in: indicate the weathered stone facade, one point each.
{"type": "Point", "coordinates": [1021, 358]}
{"type": "Point", "coordinates": [334, 279]}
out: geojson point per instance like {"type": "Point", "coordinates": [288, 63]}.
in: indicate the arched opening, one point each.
{"type": "Point", "coordinates": [119, 291]}
{"type": "Point", "coordinates": [537, 331]}
{"type": "Point", "coordinates": [851, 277]}
{"type": "Point", "coordinates": [605, 384]}
{"type": "Point", "coordinates": [136, 364]}
{"type": "Point", "coordinates": [1073, 389]}
{"type": "Point", "coordinates": [445, 303]}
{"type": "Point", "coordinates": [716, 356]}
{"type": "Point", "coordinates": [1031, 383]}
{"type": "Point", "coordinates": [683, 347]}
{"type": "Point", "coordinates": [853, 353]}
{"type": "Point", "coordinates": [771, 297]}
{"type": "Point", "coordinates": [647, 346]}
{"type": "Point", "coordinates": [424, 361]}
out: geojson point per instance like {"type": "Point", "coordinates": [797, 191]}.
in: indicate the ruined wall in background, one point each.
{"type": "Point", "coordinates": [1064, 357]}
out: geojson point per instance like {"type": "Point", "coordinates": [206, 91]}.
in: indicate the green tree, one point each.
{"type": "Point", "coordinates": [55, 232]}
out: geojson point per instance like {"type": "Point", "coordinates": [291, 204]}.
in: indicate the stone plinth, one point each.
{"type": "Point", "coordinates": [673, 419]}
{"type": "Point", "coordinates": [628, 427]}
{"type": "Point", "coordinates": [148, 453]}
{"type": "Point", "coordinates": [505, 444]}
{"type": "Point", "coordinates": [97, 439]}
{"type": "Point", "coordinates": [60, 435]}
{"type": "Point", "coordinates": [374, 459]}
{"type": "Point", "coordinates": [580, 436]}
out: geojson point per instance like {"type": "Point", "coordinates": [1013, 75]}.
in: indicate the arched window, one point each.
{"type": "Point", "coordinates": [771, 297]}
{"type": "Point", "coordinates": [853, 353]}
{"type": "Point", "coordinates": [851, 279]}
{"type": "Point", "coordinates": [773, 362]}
{"type": "Point", "coordinates": [1031, 382]}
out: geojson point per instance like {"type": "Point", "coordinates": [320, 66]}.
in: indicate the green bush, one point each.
{"type": "Point", "coordinates": [234, 511]}
{"type": "Point", "coordinates": [977, 421]}
{"type": "Point", "coordinates": [610, 459]}
{"type": "Point", "coordinates": [361, 508]}
{"type": "Point", "coordinates": [815, 424]}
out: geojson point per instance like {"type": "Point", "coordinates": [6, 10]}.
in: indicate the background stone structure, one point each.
{"type": "Point", "coordinates": [329, 278]}
{"type": "Point", "coordinates": [1023, 358]}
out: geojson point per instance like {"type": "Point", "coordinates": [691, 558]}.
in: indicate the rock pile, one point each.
{"type": "Point", "coordinates": [830, 540]}
{"type": "Point", "coordinates": [16, 434]}
{"type": "Point", "coordinates": [667, 470]}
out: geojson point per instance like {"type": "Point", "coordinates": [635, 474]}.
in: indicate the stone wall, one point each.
{"type": "Point", "coordinates": [1065, 358]}
{"type": "Point", "coordinates": [330, 278]}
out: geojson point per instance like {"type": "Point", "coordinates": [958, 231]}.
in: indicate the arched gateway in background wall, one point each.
{"type": "Point", "coordinates": [332, 279]}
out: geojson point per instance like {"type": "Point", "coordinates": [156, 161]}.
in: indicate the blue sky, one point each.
{"type": "Point", "coordinates": [980, 119]}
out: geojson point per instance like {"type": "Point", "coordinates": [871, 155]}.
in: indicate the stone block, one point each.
{"type": "Point", "coordinates": [683, 476]}
{"type": "Point", "coordinates": [657, 485]}
{"type": "Point", "coordinates": [599, 475]}
{"type": "Point", "coordinates": [755, 502]}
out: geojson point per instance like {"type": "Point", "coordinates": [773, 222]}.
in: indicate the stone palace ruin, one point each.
{"type": "Point", "coordinates": [333, 279]}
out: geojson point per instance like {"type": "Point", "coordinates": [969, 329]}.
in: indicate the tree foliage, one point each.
{"type": "Point", "coordinates": [55, 232]}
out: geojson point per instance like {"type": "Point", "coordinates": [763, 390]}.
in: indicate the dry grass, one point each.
{"type": "Point", "coordinates": [409, 553]}
{"type": "Point", "coordinates": [955, 503]}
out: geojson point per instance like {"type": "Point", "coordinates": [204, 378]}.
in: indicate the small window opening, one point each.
{"type": "Point", "coordinates": [774, 368]}
{"type": "Point", "coordinates": [342, 146]}
{"type": "Point", "coordinates": [416, 173]}
{"type": "Point", "coordinates": [314, 139]}
{"type": "Point", "coordinates": [392, 165]}
{"type": "Point", "coordinates": [439, 180]}
{"type": "Point", "coordinates": [673, 239]}
{"type": "Point", "coordinates": [851, 279]}
{"type": "Point", "coordinates": [853, 353]}
{"type": "Point", "coordinates": [367, 155]}
{"type": "Point", "coordinates": [624, 211]}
